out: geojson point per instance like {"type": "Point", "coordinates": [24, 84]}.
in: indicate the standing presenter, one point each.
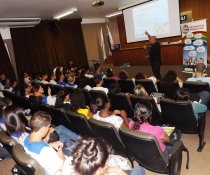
{"type": "Point", "coordinates": [153, 51]}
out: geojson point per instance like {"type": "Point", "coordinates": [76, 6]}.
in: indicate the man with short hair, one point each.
{"type": "Point", "coordinates": [199, 70]}
{"type": "Point", "coordinates": [199, 77]}
{"type": "Point", "coordinates": [50, 156]}
{"type": "Point", "coordinates": [97, 68]}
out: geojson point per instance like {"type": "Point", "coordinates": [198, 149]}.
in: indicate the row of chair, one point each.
{"type": "Point", "coordinates": [178, 114]}
{"type": "Point", "coordinates": [128, 85]}
{"type": "Point", "coordinates": [127, 143]}
{"type": "Point", "coordinates": [78, 123]}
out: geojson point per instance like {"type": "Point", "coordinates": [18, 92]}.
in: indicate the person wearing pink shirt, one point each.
{"type": "Point", "coordinates": [142, 117]}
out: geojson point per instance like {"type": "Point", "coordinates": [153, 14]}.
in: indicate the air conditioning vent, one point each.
{"type": "Point", "coordinates": [19, 22]}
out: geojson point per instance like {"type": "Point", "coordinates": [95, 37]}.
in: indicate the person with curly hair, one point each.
{"type": "Point", "coordinates": [92, 156]}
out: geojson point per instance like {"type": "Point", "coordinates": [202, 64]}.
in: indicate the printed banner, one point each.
{"type": "Point", "coordinates": [194, 38]}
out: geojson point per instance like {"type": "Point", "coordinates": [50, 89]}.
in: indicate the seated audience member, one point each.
{"type": "Point", "coordinates": [98, 81]}
{"type": "Point", "coordinates": [63, 100]}
{"type": "Point", "coordinates": [184, 95]}
{"type": "Point", "coordinates": [110, 74]}
{"type": "Point", "coordinates": [92, 156]}
{"type": "Point", "coordinates": [123, 75]}
{"type": "Point", "coordinates": [27, 79]}
{"type": "Point", "coordinates": [83, 82]}
{"type": "Point", "coordinates": [78, 104]}
{"type": "Point", "coordinates": [52, 79]}
{"type": "Point", "coordinates": [38, 96]}
{"type": "Point", "coordinates": [27, 91]}
{"type": "Point", "coordinates": [199, 77]}
{"type": "Point", "coordinates": [101, 109]}
{"type": "Point", "coordinates": [141, 123]}
{"type": "Point", "coordinates": [50, 156]}
{"type": "Point", "coordinates": [44, 78]}
{"type": "Point", "coordinates": [37, 79]}
{"type": "Point", "coordinates": [6, 85]}
{"type": "Point", "coordinates": [199, 70]}
{"type": "Point", "coordinates": [167, 84]}
{"type": "Point", "coordinates": [140, 91]}
{"type": "Point", "coordinates": [97, 68]}
{"type": "Point", "coordinates": [61, 80]}
{"type": "Point", "coordinates": [2, 76]}
{"type": "Point", "coordinates": [71, 80]}
{"type": "Point", "coordinates": [114, 88]}
{"type": "Point", "coordinates": [15, 123]}
{"type": "Point", "coordinates": [88, 74]}
{"type": "Point", "coordinates": [71, 66]}
{"type": "Point", "coordinates": [140, 76]}
{"type": "Point", "coordinates": [58, 71]}
{"type": "Point", "coordinates": [78, 72]}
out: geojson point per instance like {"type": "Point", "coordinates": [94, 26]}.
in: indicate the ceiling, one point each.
{"type": "Point", "coordinates": [46, 9]}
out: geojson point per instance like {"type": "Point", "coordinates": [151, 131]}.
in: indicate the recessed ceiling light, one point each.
{"type": "Point", "coordinates": [72, 10]}
{"type": "Point", "coordinates": [113, 14]}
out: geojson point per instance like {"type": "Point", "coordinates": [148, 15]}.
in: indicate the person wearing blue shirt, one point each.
{"type": "Point", "coordinates": [199, 77]}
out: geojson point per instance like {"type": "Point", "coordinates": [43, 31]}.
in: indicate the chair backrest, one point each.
{"type": "Point", "coordinates": [18, 100]}
{"type": "Point", "coordinates": [43, 107]}
{"type": "Point", "coordinates": [59, 117]}
{"type": "Point", "coordinates": [69, 89]}
{"type": "Point", "coordinates": [55, 88]}
{"type": "Point", "coordinates": [108, 132]}
{"type": "Point", "coordinates": [147, 84]}
{"type": "Point", "coordinates": [23, 102]}
{"type": "Point", "coordinates": [156, 115]}
{"type": "Point", "coordinates": [126, 85]}
{"type": "Point", "coordinates": [8, 94]}
{"type": "Point", "coordinates": [166, 89]}
{"type": "Point", "coordinates": [79, 123]}
{"type": "Point", "coordinates": [108, 82]}
{"type": "Point", "coordinates": [121, 101]}
{"type": "Point", "coordinates": [7, 141]}
{"type": "Point", "coordinates": [88, 98]}
{"type": "Point", "coordinates": [195, 87]}
{"type": "Point", "coordinates": [145, 150]}
{"type": "Point", "coordinates": [26, 162]}
{"type": "Point", "coordinates": [179, 114]}
{"type": "Point", "coordinates": [45, 87]}
{"type": "Point", "coordinates": [97, 93]}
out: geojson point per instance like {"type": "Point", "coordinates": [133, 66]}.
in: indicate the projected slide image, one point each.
{"type": "Point", "coordinates": [146, 20]}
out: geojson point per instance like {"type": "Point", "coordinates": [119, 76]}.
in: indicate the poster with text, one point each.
{"type": "Point", "coordinates": [194, 38]}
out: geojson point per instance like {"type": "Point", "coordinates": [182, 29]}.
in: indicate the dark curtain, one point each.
{"type": "Point", "coordinates": [5, 63]}
{"type": "Point", "coordinates": [41, 48]}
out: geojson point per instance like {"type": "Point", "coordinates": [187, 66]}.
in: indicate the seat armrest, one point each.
{"type": "Point", "coordinates": [174, 149]}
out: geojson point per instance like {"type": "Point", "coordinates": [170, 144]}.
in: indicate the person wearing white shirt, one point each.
{"type": "Point", "coordinates": [50, 156]}
{"type": "Point", "coordinates": [101, 109]}
{"type": "Point", "coordinates": [52, 79]}
{"type": "Point", "coordinates": [98, 81]}
{"type": "Point", "coordinates": [44, 78]}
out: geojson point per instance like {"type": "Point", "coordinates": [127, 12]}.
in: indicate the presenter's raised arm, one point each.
{"type": "Point", "coordinates": [148, 35]}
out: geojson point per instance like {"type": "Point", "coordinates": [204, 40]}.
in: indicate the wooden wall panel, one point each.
{"type": "Point", "coordinates": [170, 54]}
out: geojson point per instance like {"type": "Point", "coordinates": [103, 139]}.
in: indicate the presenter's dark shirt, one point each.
{"type": "Point", "coordinates": [154, 53]}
